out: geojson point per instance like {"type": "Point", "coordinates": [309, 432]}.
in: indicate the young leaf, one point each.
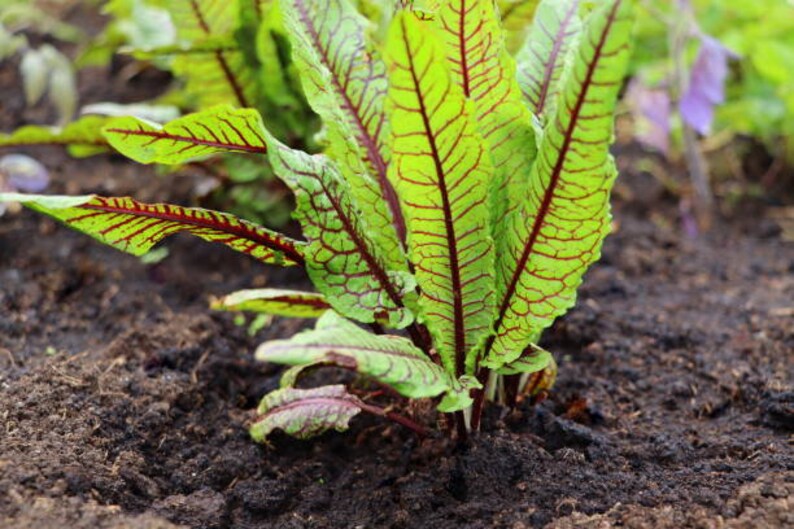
{"type": "Point", "coordinates": [343, 261]}
{"type": "Point", "coordinates": [441, 170]}
{"type": "Point", "coordinates": [345, 83]}
{"type": "Point", "coordinates": [135, 227]}
{"type": "Point", "coordinates": [533, 359]}
{"type": "Point", "coordinates": [541, 60]}
{"type": "Point", "coordinates": [536, 382]}
{"type": "Point", "coordinates": [219, 129]}
{"type": "Point", "coordinates": [487, 74]}
{"type": "Point", "coordinates": [288, 303]}
{"type": "Point", "coordinates": [221, 74]}
{"type": "Point", "coordinates": [289, 378]}
{"type": "Point", "coordinates": [391, 360]}
{"type": "Point", "coordinates": [459, 396]}
{"type": "Point", "coordinates": [559, 233]}
{"type": "Point", "coordinates": [304, 413]}
{"type": "Point", "coordinates": [82, 137]}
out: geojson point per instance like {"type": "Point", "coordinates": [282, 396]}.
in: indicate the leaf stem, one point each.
{"type": "Point", "coordinates": [479, 399]}
{"type": "Point", "coordinates": [415, 427]}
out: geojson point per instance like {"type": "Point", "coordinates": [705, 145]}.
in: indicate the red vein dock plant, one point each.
{"type": "Point", "coordinates": [463, 194]}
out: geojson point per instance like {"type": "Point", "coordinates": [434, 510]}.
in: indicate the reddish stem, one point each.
{"type": "Point", "coordinates": [415, 427]}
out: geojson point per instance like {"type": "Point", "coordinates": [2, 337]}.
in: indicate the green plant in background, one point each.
{"type": "Point", "coordinates": [450, 220]}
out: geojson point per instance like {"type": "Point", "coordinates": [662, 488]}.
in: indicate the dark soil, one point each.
{"type": "Point", "coordinates": [124, 401]}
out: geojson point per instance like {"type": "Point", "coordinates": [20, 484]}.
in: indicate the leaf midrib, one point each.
{"type": "Point", "coordinates": [242, 232]}
{"type": "Point", "coordinates": [457, 301]}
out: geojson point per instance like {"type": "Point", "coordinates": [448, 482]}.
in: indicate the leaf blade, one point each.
{"type": "Point", "coordinates": [541, 60]}
{"type": "Point", "coordinates": [391, 360]}
{"type": "Point", "coordinates": [344, 262]}
{"type": "Point", "coordinates": [305, 413]}
{"type": "Point", "coordinates": [222, 76]}
{"type": "Point", "coordinates": [345, 83]}
{"type": "Point", "coordinates": [275, 301]}
{"type": "Point", "coordinates": [135, 227]}
{"type": "Point", "coordinates": [445, 208]}
{"type": "Point", "coordinates": [481, 65]}
{"type": "Point", "coordinates": [559, 234]}
{"type": "Point", "coordinates": [216, 130]}
{"type": "Point", "coordinates": [82, 137]}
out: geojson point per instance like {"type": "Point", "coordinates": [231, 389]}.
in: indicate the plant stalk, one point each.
{"type": "Point", "coordinates": [415, 427]}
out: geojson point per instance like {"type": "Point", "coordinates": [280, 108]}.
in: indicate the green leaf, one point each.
{"type": "Point", "coordinates": [533, 359]}
{"type": "Point", "coordinates": [35, 71]}
{"type": "Point", "coordinates": [305, 413]}
{"type": "Point", "coordinates": [290, 377]}
{"type": "Point", "coordinates": [559, 233]}
{"type": "Point", "coordinates": [542, 59]}
{"type": "Point", "coordinates": [216, 77]}
{"type": "Point", "coordinates": [219, 129]}
{"type": "Point", "coordinates": [82, 137]}
{"type": "Point", "coordinates": [391, 360]}
{"type": "Point", "coordinates": [485, 71]}
{"type": "Point", "coordinates": [459, 396]}
{"type": "Point", "coordinates": [441, 170]}
{"type": "Point", "coordinates": [345, 83]}
{"type": "Point", "coordinates": [275, 69]}
{"type": "Point", "coordinates": [135, 227]}
{"type": "Point", "coordinates": [48, 71]}
{"type": "Point", "coordinates": [288, 303]}
{"type": "Point", "coordinates": [517, 15]}
{"type": "Point", "coordinates": [343, 261]}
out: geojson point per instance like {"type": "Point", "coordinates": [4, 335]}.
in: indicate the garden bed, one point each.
{"type": "Point", "coordinates": [124, 400]}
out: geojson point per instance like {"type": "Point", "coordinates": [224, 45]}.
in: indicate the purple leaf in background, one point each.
{"type": "Point", "coordinates": [651, 110]}
{"type": "Point", "coordinates": [706, 84]}
{"type": "Point", "coordinates": [23, 173]}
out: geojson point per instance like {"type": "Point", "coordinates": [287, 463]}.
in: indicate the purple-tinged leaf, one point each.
{"type": "Point", "coordinates": [706, 87]}
{"type": "Point", "coordinates": [304, 413]}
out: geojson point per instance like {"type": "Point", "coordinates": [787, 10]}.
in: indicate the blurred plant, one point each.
{"type": "Point", "coordinates": [232, 52]}
{"type": "Point", "coordinates": [45, 71]}
{"type": "Point", "coordinates": [20, 173]}
{"type": "Point", "coordinates": [728, 70]}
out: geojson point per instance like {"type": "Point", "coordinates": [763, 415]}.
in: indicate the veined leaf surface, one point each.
{"type": "Point", "coordinates": [559, 233]}
{"type": "Point", "coordinates": [220, 75]}
{"type": "Point", "coordinates": [276, 301]}
{"type": "Point", "coordinates": [219, 129]}
{"type": "Point", "coordinates": [391, 360]}
{"type": "Point", "coordinates": [135, 227]}
{"type": "Point", "coordinates": [480, 64]}
{"type": "Point", "coordinates": [541, 60]}
{"type": "Point", "coordinates": [343, 261]}
{"type": "Point", "coordinates": [82, 137]}
{"type": "Point", "coordinates": [345, 83]}
{"type": "Point", "coordinates": [532, 360]}
{"type": "Point", "coordinates": [441, 170]}
{"type": "Point", "coordinates": [304, 413]}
